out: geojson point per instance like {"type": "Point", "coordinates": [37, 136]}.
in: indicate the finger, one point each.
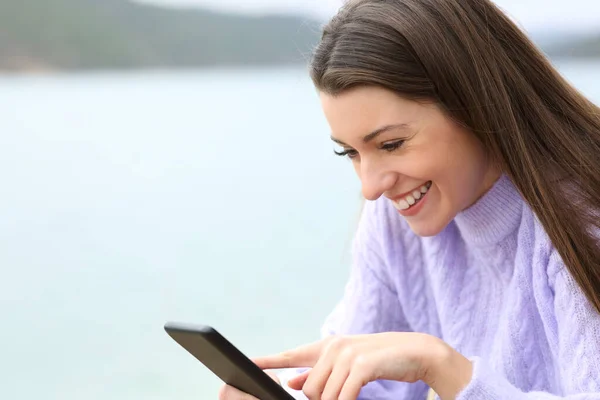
{"type": "Point", "coordinates": [336, 381]}
{"type": "Point", "coordinates": [230, 393]}
{"type": "Point", "coordinates": [297, 382]}
{"type": "Point", "coordinates": [354, 383]}
{"type": "Point", "coordinates": [317, 379]}
{"type": "Point", "coordinates": [303, 356]}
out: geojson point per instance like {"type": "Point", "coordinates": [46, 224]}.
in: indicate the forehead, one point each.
{"type": "Point", "coordinates": [359, 111]}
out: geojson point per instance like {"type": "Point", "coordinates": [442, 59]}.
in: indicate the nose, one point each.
{"type": "Point", "coordinates": [375, 179]}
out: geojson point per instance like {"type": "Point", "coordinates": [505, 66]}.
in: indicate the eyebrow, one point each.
{"type": "Point", "coordinates": [375, 133]}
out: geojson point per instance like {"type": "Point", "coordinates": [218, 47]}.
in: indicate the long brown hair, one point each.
{"type": "Point", "coordinates": [485, 73]}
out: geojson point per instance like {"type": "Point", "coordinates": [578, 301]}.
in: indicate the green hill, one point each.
{"type": "Point", "coordinates": [584, 47]}
{"type": "Point", "coordinates": [119, 34]}
{"type": "Point", "coordinates": [116, 34]}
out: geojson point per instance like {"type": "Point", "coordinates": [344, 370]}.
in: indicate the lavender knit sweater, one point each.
{"type": "Point", "coordinates": [491, 285]}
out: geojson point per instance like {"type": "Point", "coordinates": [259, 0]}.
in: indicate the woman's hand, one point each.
{"type": "Point", "coordinates": [230, 393]}
{"type": "Point", "coordinates": [342, 365]}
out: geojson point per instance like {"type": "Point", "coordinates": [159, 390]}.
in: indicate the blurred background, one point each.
{"type": "Point", "coordinates": [168, 160]}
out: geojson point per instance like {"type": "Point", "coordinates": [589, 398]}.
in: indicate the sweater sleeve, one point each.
{"type": "Point", "coordinates": [578, 353]}
{"type": "Point", "coordinates": [370, 304]}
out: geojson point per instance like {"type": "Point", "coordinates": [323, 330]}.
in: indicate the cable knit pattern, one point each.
{"type": "Point", "coordinates": [491, 285]}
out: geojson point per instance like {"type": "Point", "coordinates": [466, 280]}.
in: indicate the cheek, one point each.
{"type": "Point", "coordinates": [462, 174]}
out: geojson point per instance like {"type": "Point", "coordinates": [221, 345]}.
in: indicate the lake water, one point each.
{"type": "Point", "coordinates": [128, 200]}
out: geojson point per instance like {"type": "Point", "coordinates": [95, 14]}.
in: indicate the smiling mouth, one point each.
{"type": "Point", "coordinates": [413, 198]}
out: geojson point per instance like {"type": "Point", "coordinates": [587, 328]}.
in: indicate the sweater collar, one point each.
{"type": "Point", "coordinates": [493, 217]}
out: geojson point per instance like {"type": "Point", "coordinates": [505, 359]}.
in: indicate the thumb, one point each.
{"type": "Point", "coordinates": [297, 382]}
{"type": "Point", "coordinates": [303, 356]}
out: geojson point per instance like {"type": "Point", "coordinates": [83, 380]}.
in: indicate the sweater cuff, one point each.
{"type": "Point", "coordinates": [486, 384]}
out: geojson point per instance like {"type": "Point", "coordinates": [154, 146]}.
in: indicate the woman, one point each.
{"type": "Point", "coordinates": [476, 262]}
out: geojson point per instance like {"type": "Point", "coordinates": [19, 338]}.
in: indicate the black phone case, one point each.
{"type": "Point", "coordinates": [226, 361]}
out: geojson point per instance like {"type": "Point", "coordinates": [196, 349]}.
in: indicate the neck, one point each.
{"type": "Point", "coordinates": [490, 178]}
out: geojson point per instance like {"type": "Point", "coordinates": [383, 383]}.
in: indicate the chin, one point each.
{"type": "Point", "coordinates": [427, 228]}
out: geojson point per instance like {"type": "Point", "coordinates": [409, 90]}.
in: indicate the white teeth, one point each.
{"type": "Point", "coordinates": [412, 198]}
{"type": "Point", "coordinates": [403, 205]}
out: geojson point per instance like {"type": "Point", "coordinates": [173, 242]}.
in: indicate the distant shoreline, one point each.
{"type": "Point", "coordinates": [47, 71]}
{"type": "Point", "coordinates": [40, 69]}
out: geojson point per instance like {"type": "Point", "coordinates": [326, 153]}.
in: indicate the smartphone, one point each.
{"type": "Point", "coordinates": [226, 361]}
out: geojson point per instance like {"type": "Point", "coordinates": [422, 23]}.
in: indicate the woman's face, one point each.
{"type": "Point", "coordinates": [429, 167]}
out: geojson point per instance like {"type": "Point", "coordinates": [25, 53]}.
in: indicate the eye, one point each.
{"type": "Point", "coordinates": [350, 153]}
{"type": "Point", "coordinates": [392, 145]}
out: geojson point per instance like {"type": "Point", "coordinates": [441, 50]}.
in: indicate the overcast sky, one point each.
{"type": "Point", "coordinates": [532, 14]}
